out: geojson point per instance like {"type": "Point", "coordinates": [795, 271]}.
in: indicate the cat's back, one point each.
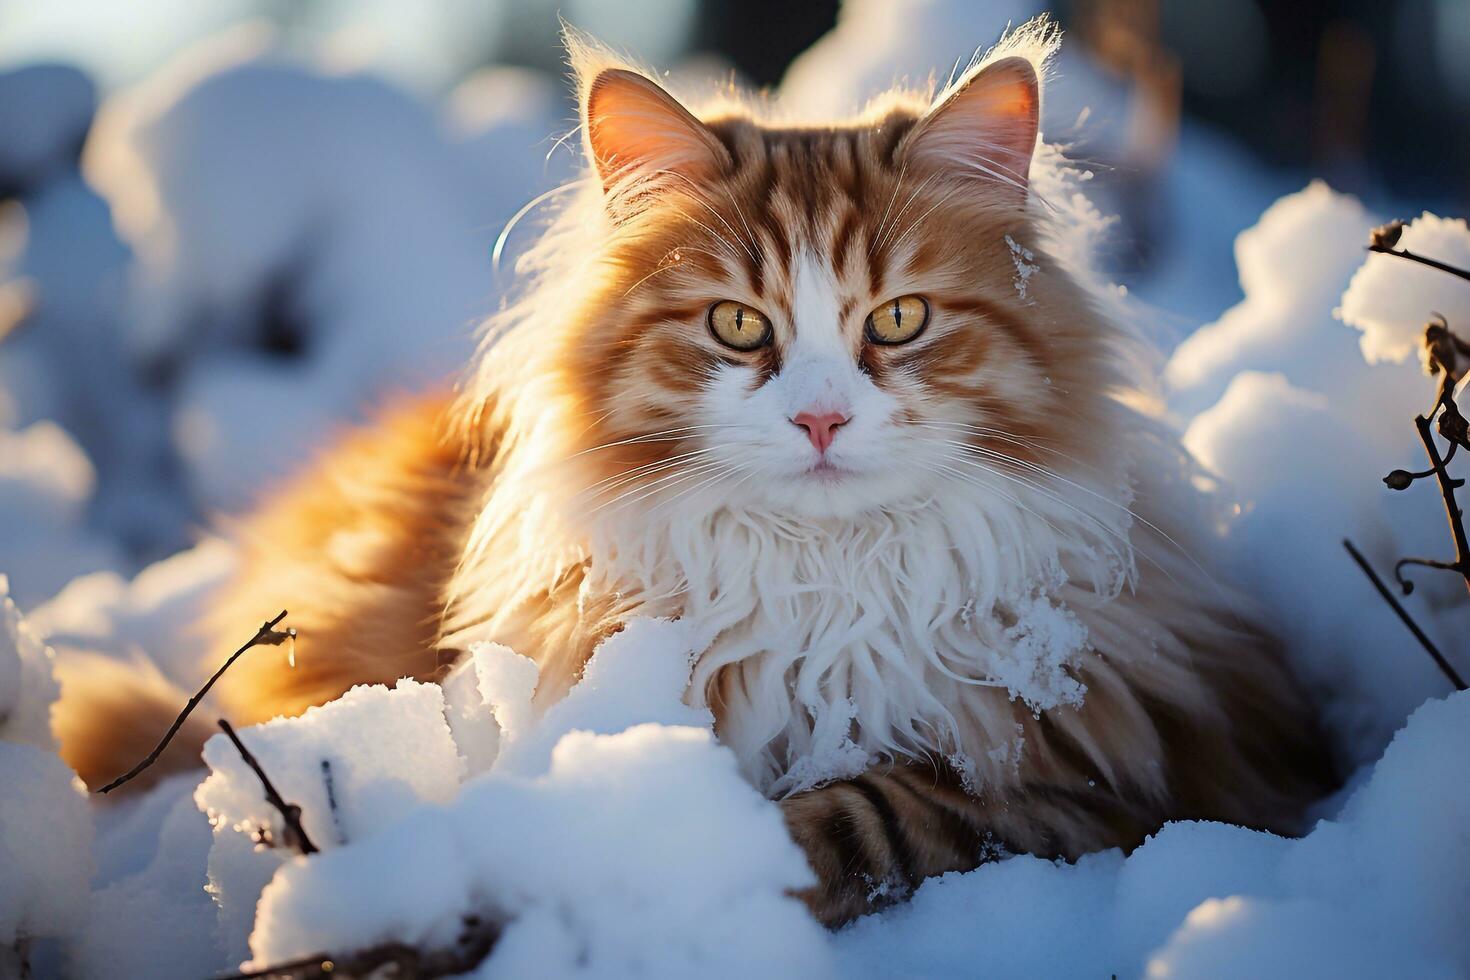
{"type": "Point", "coordinates": [358, 546]}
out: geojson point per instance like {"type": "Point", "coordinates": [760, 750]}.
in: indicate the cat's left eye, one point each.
{"type": "Point", "coordinates": [898, 321]}
{"type": "Point", "coordinates": [738, 326]}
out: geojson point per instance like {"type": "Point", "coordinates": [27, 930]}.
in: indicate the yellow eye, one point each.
{"type": "Point", "coordinates": [738, 326]}
{"type": "Point", "coordinates": [898, 321]}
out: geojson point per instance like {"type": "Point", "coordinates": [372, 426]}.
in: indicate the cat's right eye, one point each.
{"type": "Point", "coordinates": [738, 326]}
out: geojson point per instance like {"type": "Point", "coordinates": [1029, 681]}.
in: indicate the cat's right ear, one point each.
{"type": "Point", "coordinates": [637, 133]}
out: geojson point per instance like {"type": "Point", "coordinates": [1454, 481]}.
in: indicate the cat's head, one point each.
{"type": "Point", "coordinates": [825, 320]}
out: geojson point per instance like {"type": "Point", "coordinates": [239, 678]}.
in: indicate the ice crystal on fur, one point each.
{"type": "Point", "coordinates": [1024, 259]}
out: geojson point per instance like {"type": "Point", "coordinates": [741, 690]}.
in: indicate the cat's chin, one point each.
{"type": "Point", "coordinates": [828, 473]}
{"type": "Point", "coordinates": [831, 490]}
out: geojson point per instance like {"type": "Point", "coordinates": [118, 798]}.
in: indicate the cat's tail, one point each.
{"type": "Point", "coordinates": [113, 712]}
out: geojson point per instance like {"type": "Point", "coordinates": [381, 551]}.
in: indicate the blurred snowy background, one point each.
{"type": "Point", "coordinates": [227, 229]}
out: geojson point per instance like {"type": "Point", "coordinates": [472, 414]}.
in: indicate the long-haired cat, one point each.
{"type": "Point", "coordinates": [829, 394]}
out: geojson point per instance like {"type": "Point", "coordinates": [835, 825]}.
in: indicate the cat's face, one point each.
{"type": "Point", "coordinates": [823, 321]}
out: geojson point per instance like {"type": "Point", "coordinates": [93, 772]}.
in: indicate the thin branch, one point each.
{"type": "Point", "coordinates": [1443, 356]}
{"type": "Point", "coordinates": [401, 960]}
{"type": "Point", "coordinates": [1403, 614]}
{"type": "Point", "coordinates": [331, 787]}
{"type": "Point", "coordinates": [1403, 253]}
{"type": "Point", "coordinates": [1403, 479]}
{"type": "Point", "coordinates": [1408, 586]}
{"type": "Point", "coordinates": [267, 635]}
{"type": "Point", "coordinates": [21, 960]}
{"type": "Point", "coordinates": [1447, 486]}
{"type": "Point", "coordinates": [290, 812]}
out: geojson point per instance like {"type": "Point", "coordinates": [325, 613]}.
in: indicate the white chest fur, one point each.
{"type": "Point", "coordinates": [900, 633]}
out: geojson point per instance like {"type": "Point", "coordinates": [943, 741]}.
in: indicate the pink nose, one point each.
{"type": "Point", "coordinates": [821, 427]}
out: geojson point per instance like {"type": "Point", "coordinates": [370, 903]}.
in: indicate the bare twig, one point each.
{"type": "Point", "coordinates": [390, 960]}
{"type": "Point", "coordinates": [267, 635]}
{"type": "Point", "coordinates": [17, 959]}
{"type": "Point", "coordinates": [1447, 487]}
{"type": "Point", "coordinates": [1445, 355]}
{"type": "Point", "coordinates": [1385, 238]}
{"type": "Point", "coordinates": [290, 812]}
{"type": "Point", "coordinates": [1421, 259]}
{"type": "Point", "coordinates": [1403, 614]}
{"type": "Point", "coordinates": [331, 787]}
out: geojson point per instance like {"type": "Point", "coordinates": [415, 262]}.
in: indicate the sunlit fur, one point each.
{"type": "Point", "coordinates": [615, 460]}
{"type": "Point", "coordinates": [988, 463]}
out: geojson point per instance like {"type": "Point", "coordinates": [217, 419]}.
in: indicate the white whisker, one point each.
{"type": "Point", "coordinates": [903, 210]}
{"type": "Point", "coordinates": [699, 199]}
{"type": "Point", "coordinates": [504, 236]}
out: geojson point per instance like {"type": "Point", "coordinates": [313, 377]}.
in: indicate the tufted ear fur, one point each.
{"type": "Point", "coordinates": [984, 125]}
{"type": "Point", "coordinates": [635, 131]}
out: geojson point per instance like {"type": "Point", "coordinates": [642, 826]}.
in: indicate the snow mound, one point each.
{"type": "Point", "coordinates": [878, 43]}
{"type": "Point", "coordinates": [1285, 411]}
{"type": "Point", "coordinates": [403, 754]}
{"type": "Point", "coordinates": [156, 613]}
{"type": "Point", "coordinates": [1293, 264]}
{"type": "Point", "coordinates": [27, 684]}
{"type": "Point", "coordinates": [44, 114]}
{"type": "Point", "coordinates": [45, 823]}
{"type": "Point", "coordinates": [609, 835]}
{"type": "Point", "coordinates": [637, 854]}
{"type": "Point", "coordinates": [306, 242]}
{"type": "Point", "coordinates": [45, 848]}
{"type": "Point", "coordinates": [637, 675]}
{"type": "Point", "coordinates": [150, 914]}
{"type": "Point", "coordinates": [46, 482]}
{"type": "Point", "coordinates": [354, 766]}
{"type": "Point", "coordinates": [1377, 891]}
{"type": "Point", "coordinates": [1390, 299]}
{"type": "Point", "coordinates": [64, 360]}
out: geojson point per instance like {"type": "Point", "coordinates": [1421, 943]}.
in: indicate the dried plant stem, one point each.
{"type": "Point", "coordinates": [396, 960]}
{"type": "Point", "coordinates": [290, 812]}
{"type": "Point", "coordinates": [330, 784]}
{"type": "Point", "coordinates": [267, 635]}
{"type": "Point", "coordinates": [1403, 614]}
{"type": "Point", "coordinates": [1404, 253]}
{"type": "Point", "coordinates": [1447, 485]}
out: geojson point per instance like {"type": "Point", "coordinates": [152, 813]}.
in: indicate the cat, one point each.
{"type": "Point", "coordinates": [832, 395]}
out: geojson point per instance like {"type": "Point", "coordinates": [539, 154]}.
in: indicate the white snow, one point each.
{"type": "Point", "coordinates": [1301, 430]}
{"type": "Point", "coordinates": [150, 913]}
{"type": "Point", "coordinates": [637, 676]}
{"type": "Point", "coordinates": [45, 847]}
{"type": "Point", "coordinates": [612, 828]}
{"type": "Point", "coordinates": [308, 241]}
{"type": "Point", "coordinates": [44, 113]}
{"type": "Point", "coordinates": [1389, 298]}
{"type": "Point", "coordinates": [64, 361]}
{"type": "Point", "coordinates": [1377, 891]}
{"type": "Point", "coordinates": [27, 684]}
{"type": "Point", "coordinates": [401, 754]}
{"type": "Point", "coordinates": [46, 484]}
{"type": "Point", "coordinates": [354, 766]}
{"type": "Point", "coordinates": [155, 614]}
{"type": "Point", "coordinates": [488, 702]}
{"type": "Point", "coordinates": [1025, 261]}
{"type": "Point", "coordinates": [637, 854]}
{"type": "Point", "coordinates": [45, 822]}
{"type": "Point", "coordinates": [1047, 639]}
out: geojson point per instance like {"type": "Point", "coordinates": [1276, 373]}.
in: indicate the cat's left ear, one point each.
{"type": "Point", "coordinates": [984, 126]}
{"type": "Point", "coordinates": [636, 131]}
